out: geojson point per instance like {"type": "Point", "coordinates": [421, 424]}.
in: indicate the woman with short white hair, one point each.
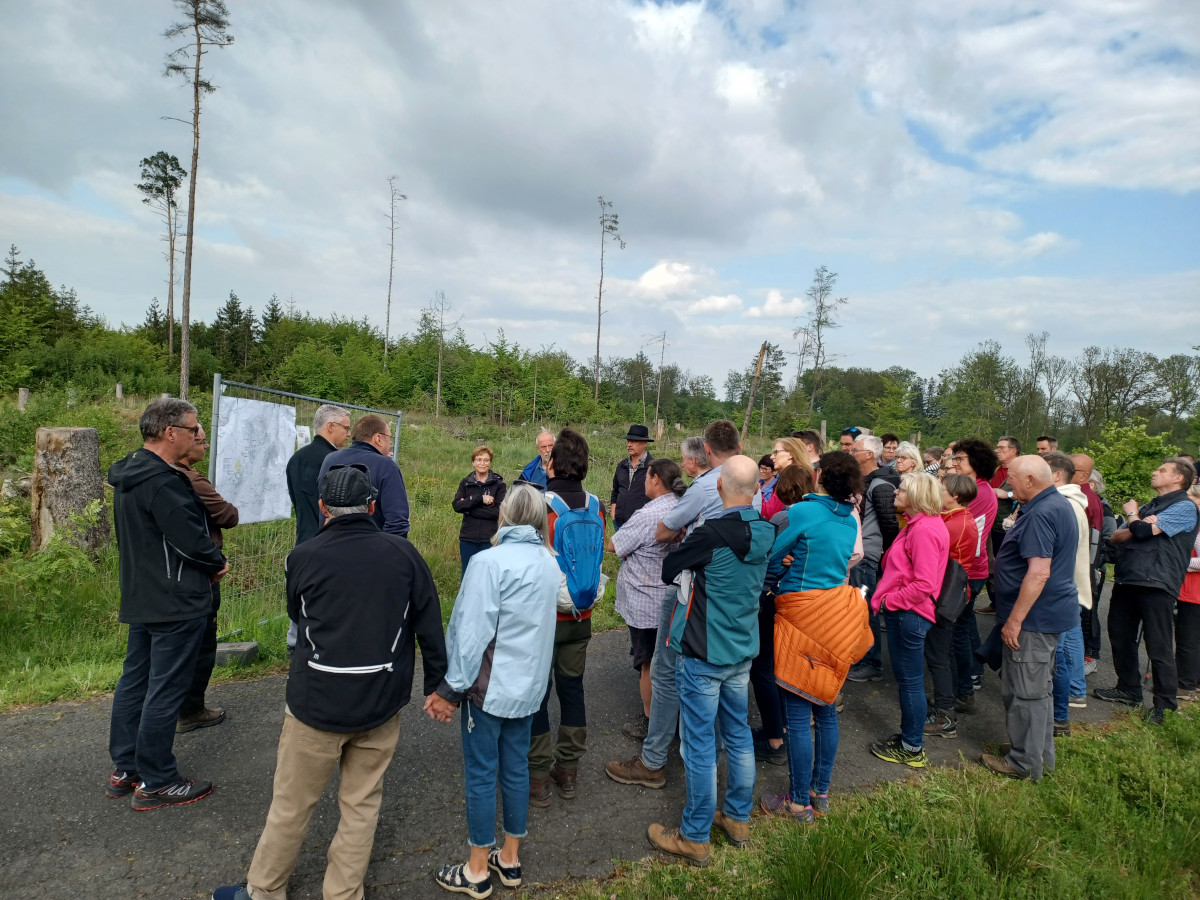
{"type": "Point", "coordinates": [908, 458]}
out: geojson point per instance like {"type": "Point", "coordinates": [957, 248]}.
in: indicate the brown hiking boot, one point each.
{"type": "Point", "coordinates": [202, 718]}
{"type": "Point", "coordinates": [1001, 766]}
{"type": "Point", "coordinates": [565, 779]}
{"type": "Point", "coordinates": [539, 792]}
{"type": "Point", "coordinates": [634, 771]}
{"type": "Point", "coordinates": [669, 840]}
{"type": "Point", "coordinates": [737, 833]}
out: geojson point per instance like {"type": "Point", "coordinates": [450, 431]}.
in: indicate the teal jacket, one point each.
{"type": "Point", "coordinates": [820, 537]}
{"type": "Point", "coordinates": [717, 621]}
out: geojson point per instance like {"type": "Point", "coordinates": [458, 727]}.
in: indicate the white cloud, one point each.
{"type": "Point", "coordinates": [775, 307]}
{"type": "Point", "coordinates": [715, 305]}
{"type": "Point", "coordinates": [668, 278]}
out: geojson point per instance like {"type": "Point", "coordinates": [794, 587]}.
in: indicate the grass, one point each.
{"type": "Point", "coordinates": [1120, 818]}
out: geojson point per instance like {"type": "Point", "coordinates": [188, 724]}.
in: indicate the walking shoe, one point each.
{"type": "Point", "coordinates": [989, 610]}
{"type": "Point", "coordinates": [121, 784]}
{"type": "Point", "coordinates": [1089, 666]}
{"type": "Point", "coordinates": [965, 704]}
{"type": "Point", "coordinates": [840, 703]}
{"type": "Point", "coordinates": [1154, 716]}
{"type": "Point", "coordinates": [200, 719]}
{"type": "Point", "coordinates": [1001, 766]}
{"type": "Point", "coordinates": [510, 876]}
{"type": "Point", "coordinates": [454, 878]}
{"type": "Point", "coordinates": [941, 724]}
{"type": "Point", "coordinates": [669, 840]}
{"type": "Point", "coordinates": [776, 756]}
{"type": "Point", "coordinates": [176, 794]}
{"type": "Point", "coordinates": [1186, 696]}
{"type": "Point", "coordinates": [819, 803]}
{"type": "Point", "coordinates": [737, 833]}
{"type": "Point", "coordinates": [781, 805]}
{"type": "Point", "coordinates": [1117, 695]}
{"type": "Point", "coordinates": [893, 750]}
{"type": "Point", "coordinates": [977, 682]}
{"type": "Point", "coordinates": [864, 671]}
{"type": "Point", "coordinates": [1078, 703]}
{"type": "Point", "coordinates": [231, 892]}
{"type": "Point", "coordinates": [539, 792]}
{"type": "Point", "coordinates": [637, 729]}
{"type": "Point", "coordinates": [565, 779]}
{"type": "Point", "coordinates": [1062, 729]}
{"type": "Point", "coordinates": [635, 771]}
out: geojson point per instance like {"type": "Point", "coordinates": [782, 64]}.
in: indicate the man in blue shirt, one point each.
{"type": "Point", "coordinates": [1036, 600]}
{"type": "Point", "coordinates": [535, 471]}
{"type": "Point", "coordinates": [371, 448]}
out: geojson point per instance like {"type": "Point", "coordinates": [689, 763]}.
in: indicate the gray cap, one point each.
{"type": "Point", "coordinates": [347, 486]}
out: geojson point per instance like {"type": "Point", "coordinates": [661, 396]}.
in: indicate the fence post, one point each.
{"type": "Point", "coordinates": [212, 434]}
{"type": "Point", "coordinates": [396, 439]}
{"type": "Point", "coordinates": [824, 438]}
{"type": "Point", "coordinates": [22, 398]}
{"type": "Point", "coordinates": [120, 391]}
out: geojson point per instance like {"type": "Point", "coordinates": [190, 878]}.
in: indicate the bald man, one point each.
{"type": "Point", "coordinates": [1089, 618]}
{"type": "Point", "coordinates": [1036, 601]}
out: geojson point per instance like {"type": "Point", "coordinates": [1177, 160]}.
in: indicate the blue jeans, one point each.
{"type": "Point", "coordinates": [664, 702]}
{"type": "Point", "coordinates": [467, 549]}
{"type": "Point", "coordinates": [865, 574]}
{"type": "Point", "coordinates": [966, 642]}
{"type": "Point", "coordinates": [809, 771]}
{"type": "Point", "coordinates": [160, 662]}
{"type": "Point", "coordinates": [1069, 680]}
{"type": "Point", "coordinates": [495, 749]}
{"type": "Point", "coordinates": [709, 693]}
{"type": "Point", "coordinates": [906, 645]}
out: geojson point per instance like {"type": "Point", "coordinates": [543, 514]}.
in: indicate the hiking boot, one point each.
{"type": "Point", "coordinates": [565, 779]}
{"type": "Point", "coordinates": [1062, 729]}
{"type": "Point", "coordinates": [965, 704]}
{"type": "Point", "coordinates": [942, 724]}
{"type": "Point", "coordinates": [893, 750]}
{"type": "Point", "coordinates": [737, 833]}
{"type": "Point", "coordinates": [780, 805]}
{"type": "Point", "coordinates": [202, 718]}
{"type": "Point", "coordinates": [232, 892]}
{"type": "Point", "coordinates": [669, 840]}
{"type": "Point", "coordinates": [121, 784]}
{"type": "Point", "coordinates": [175, 794]}
{"type": "Point", "coordinates": [455, 878]}
{"type": "Point", "coordinates": [1078, 703]}
{"type": "Point", "coordinates": [635, 771]}
{"type": "Point", "coordinates": [989, 610]}
{"type": "Point", "coordinates": [539, 792]}
{"type": "Point", "coordinates": [1001, 766]}
{"type": "Point", "coordinates": [637, 729]}
{"type": "Point", "coordinates": [819, 803]}
{"type": "Point", "coordinates": [865, 671]}
{"type": "Point", "coordinates": [1117, 695]}
{"type": "Point", "coordinates": [1155, 715]}
{"type": "Point", "coordinates": [510, 876]}
{"type": "Point", "coordinates": [1089, 666]}
{"type": "Point", "coordinates": [776, 756]}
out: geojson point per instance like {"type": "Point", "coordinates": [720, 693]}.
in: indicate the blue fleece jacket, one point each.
{"type": "Point", "coordinates": [820, 537]}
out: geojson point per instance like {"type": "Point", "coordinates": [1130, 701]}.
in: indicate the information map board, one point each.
{"type": "Point", "coordinates": [255, 440]}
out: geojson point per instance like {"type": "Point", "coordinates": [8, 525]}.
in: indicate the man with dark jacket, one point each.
{"type": "Point", "coordinates": [879, 528]}
{"type": "Point", "coordinates": [371, 448]}
{"type": "Point", "coordinates": [331, 428]}
{"type": "Point", "coordinates": [219, 513]}
{"type": "Point", "coordinates": [168, 565]}
{"type": "Point", "coordinates": [1152, 553]}
{"type": "Point", "coordinates": [629, 480]}
{"type": "Point", "coordinates": [361, 596]}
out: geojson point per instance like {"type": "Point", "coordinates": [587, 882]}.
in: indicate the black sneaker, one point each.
{"type": "Point", "coordinates": [864, 671]}
{"type": "Point", "coordinates": [1062, 729]}
{"type": "Point", "coordinates": [941, 724]}
{"type": "Point", "coordinates": [893, 750]}
{"type": "Point", "coordinates": [1117, 695]}
{"type": "Point", "coordinates": [510, 876]}
{"type": "Point", "coordinates": [977, 682]}
{"type": "Point", "coordinates": [176, 794]}
{"type": "Point", "coordinates": [121, 784]}
{"type": "Point", "coordinates": [965, 704]}
{"type": "Point", "coordinates": [1154, 716]}
{"type": "Point", "coordinates": [776, 756]}
{"type": "Point", "coordinates": [637, 729]}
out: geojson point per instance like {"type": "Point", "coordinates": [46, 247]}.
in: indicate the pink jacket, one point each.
{"type": "Point", "coordinates": [914, 567]}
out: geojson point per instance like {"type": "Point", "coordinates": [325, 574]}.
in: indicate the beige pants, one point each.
{"type": "Point", "coordinates": [306, 760]}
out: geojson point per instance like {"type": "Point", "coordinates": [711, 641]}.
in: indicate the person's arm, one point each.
{"type": "Point", "coordinates": [929, 558]}
{"type": "Point", "coordinates": [425, 621]}
{"type": "Point", "coordinates": [616, 486]}
{"type": "Point", "coordinates": [785, 541]}
{"type": "Point", "coordinates": [179, 520]}
{"type": "Point", "coordinates": [686, 511]}
{"type": "Point", "coordinates": [472, 628]}
{"type": "Point", "coordinates": [1194, 562]}
{"type": "Point", "coordinates": [394, 499]}
{"type": "Point", "coordinates": [633, 534]}
{"type": "Point", "coordinates": [291, 470]}
{"type": "Point", "coordinates": [1031, 588]}
{"type": "Point", "coordinates": [223, 513]}
{"type": "Point", "coordinates": [462, 500]}
{"type": "Point", "coordinates": [492, 510]}
{"type": "Point", "coordinates": [695, 553]}
{"type": "Point", "coordinates": [883, 499]}
{"type": "Point", "coordinates": [857, 555]}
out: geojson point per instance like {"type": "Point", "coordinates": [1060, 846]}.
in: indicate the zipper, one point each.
{"type": "Point", "coordinates": [167, 557]}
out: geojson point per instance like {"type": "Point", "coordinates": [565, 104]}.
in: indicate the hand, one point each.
{"type": "Point", "coordinates": [788, 560]}
{"type": "Point", "coordinates": [1001, 493]}
{"type": "Point", "coordinates": [1130, 507]}
{"type": "Point", "coordinates": [439, 708]}
{"type": "Point", "coordinates": [488, 500]}
{"type": "Point", "coordinates": [221, 574]}
{"type": "Point", "coordinates": [1011, 634]}
{"type": "Point", "coordinates": [1151, 520]}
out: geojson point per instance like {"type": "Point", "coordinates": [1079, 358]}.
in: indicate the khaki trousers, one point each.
{"type": "Point", "coordinates": [305, 761]}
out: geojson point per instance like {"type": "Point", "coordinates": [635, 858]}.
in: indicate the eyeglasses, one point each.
{"type": "Point", "coordinates": [194, 429]}
{"type": "Point", "coordinates": [960, 457]}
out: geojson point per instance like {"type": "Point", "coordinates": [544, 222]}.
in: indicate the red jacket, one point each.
{"type": "Point", "coordinates": [964, 536]}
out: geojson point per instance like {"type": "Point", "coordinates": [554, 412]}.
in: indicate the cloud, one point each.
{"type": "Point", "coordinates": [776, 307]}
{"type": "Point", "coordinates": [715, 305]}
{"type": "Point", "coordinates": [669, 278]}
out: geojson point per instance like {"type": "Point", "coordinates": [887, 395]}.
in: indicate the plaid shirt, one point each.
{"type": "Point", "coordinates": [640, 589]}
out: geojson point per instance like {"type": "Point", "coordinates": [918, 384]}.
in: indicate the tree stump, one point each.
{"type": "Point", "coordinates": [66, 478]}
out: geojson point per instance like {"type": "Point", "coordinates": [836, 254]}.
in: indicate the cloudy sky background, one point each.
{"type": "Point", "coordinates": [971, 170]}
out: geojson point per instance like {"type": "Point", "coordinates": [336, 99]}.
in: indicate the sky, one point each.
{"type": "Point", "coordinates": [971, 169]}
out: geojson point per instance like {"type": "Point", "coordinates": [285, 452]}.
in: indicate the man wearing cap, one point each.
{"type": "Point", "coordinates": [629, 481]}
{"type": "Point", "coordinates": [361, 596]}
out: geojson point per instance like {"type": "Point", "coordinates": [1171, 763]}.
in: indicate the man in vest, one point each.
{"type": "Point", "coordinates": [1153, 550]}
{"type": "Point", "coordinates": [629, 480]}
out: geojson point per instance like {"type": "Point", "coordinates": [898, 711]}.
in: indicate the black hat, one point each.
{"type": "Point", "coordinates": [638, 433]}
{"type": "Point", "coordinates": [347, 486]}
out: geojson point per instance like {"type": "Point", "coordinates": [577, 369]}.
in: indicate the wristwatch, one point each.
{"type": "Point", "coordinates": [1010, 495]}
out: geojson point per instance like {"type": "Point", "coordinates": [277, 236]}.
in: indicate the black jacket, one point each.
{"type": "Point", "coordinates": [302, 471]}
{"type": "Point", "coordinates": [479, 520]}
{"type": "Point", "coordinates": [1159, 561]}
{"type": "Point", "coordinates": [166, 554]}
{"type": "Point", "coordinates": [360, 597]}
{"type": "Point", "coordinates": [629, 488]}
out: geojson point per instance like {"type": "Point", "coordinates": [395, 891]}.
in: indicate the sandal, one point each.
{"type": "Point", "coordinates": [510, 876]}
{"type": "Point", "coordinates": [454, 878]}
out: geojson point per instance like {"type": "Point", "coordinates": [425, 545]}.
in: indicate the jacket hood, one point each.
{"type": "Point", "coordinates": [838, 509]}
{"type": "Point", "coordinates": [1075, 494]}
{"type": "Point", "coordinates": [139, 466]}
{"type": "Point", "coordinates": [518, 534]}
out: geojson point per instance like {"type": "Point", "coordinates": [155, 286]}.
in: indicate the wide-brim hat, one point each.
{"type": "Point", "coordinates": [638, 433]}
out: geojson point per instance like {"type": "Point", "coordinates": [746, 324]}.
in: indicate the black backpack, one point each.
{"type": "Point", "coordinates": [954, 595]}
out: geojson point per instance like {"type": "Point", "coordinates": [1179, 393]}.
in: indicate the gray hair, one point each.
{"type": "Point", "coordinates": [909, 450]}
{"type": "Point", "coordinates": [693, 448]}
{"type": "Point", "coordinates": [161, 414]}
{"type": "Point", "coordinates": [1097, 481]}
{"type": "Point", "coordinates": [872, 443]}
{"type": "Point", "coordinates": [327, 413]}
{"type": "Point", "coordinates": [333, 512]}
{"type": "Point", "coordinates": [525, 505]}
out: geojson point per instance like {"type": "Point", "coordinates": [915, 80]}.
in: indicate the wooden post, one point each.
{"type": "Point", "coordinates": [66, 477]}
{"type": "Point", "coordinates": [753, 390]}
{"type": "Point", "coordinates": [22, 398]}
{"type": "Point", "coordinates": [824, 439]}
{"type": "Point", "coordinates": [120, 391]}
{"type": "Point", "coordinates": [658, 430]}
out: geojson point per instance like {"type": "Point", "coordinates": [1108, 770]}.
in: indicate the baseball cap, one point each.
{"type": "Point", "coordinates": [347, 486]}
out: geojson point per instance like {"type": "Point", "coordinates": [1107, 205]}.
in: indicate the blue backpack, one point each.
{"type": "Point", "coordinates": [579, 543]}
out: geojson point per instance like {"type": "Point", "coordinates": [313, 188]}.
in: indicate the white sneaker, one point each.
{"type": "Point", "coordinates": [1077, 703]}
{"type": "Point", "coordinates": [1089, 667]}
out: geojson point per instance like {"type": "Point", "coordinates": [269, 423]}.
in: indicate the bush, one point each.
{"type": "Point", "coordinates": [1126, 456]}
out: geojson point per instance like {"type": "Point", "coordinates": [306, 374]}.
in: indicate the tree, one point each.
{"type": "Point", "coordinates": [387, 322]}
{"type": "Point", "coordinates": [437, 316]}
{"type": "Point", "coordinates": [813, 332]}
{"type": "Point", "coordinates": [207, 21]}
{"type": "Point", "coordinates": [893, 411]}
{"type": "Point", "coordinates": [609, 224]}
{"type": "Point", "coordinates": [1113, 385]}
{"type": "Point", "coordinates": [1126, 456]}
{"type": "Point", "coordinates": [161, 178]}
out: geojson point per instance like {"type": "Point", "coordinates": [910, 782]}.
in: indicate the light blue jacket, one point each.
{"type": "Point", "coordinates": [501, 636]}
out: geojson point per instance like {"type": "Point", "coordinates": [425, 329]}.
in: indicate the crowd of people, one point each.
{"type": "Point", "coordinates": [781, 574]}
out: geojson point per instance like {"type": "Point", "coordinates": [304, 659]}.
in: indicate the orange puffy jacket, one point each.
{"type": "Point", "coordinates": [818, 634]}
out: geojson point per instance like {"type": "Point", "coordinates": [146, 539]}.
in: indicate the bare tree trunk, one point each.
{"type": "Point", "coordinates": [753, 390]}
{"type": "Point", "coordinates": [172, 227]}
{"type": "Point", "coordinates": [387, 322]}
{"type": "Point", "coordinates": [185, 313]}
{"type": "Point", "coordinates": [599, 313]}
